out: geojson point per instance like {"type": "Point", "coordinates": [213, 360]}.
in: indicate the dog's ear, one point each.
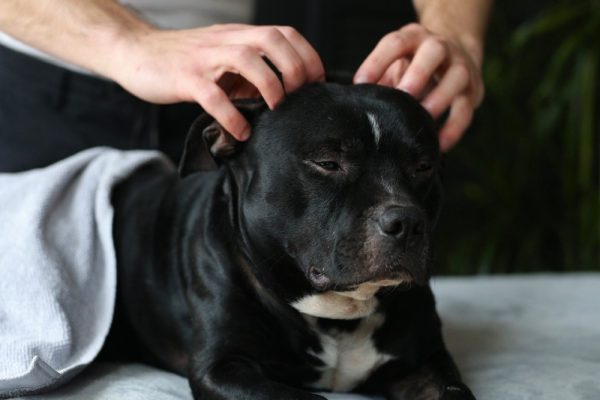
{"type": "Point", "coordinates": [208, 143]}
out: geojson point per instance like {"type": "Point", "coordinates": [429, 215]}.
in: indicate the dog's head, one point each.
{"type": "Point", "coordinates": [339, 181]}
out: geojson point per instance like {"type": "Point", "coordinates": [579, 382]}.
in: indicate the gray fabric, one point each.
{"type": "Point", "coordinates": [525, 337]}
{"type": "Point", "coordinates": [57, 266]}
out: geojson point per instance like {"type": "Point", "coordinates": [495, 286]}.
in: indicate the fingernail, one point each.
{"type": "Point", "coordinates": [361, 78]}
{"type": "Point", "coordinates": [246, 134]}
{"type": "Point", "coordinates": [406, 87]}
{"type": "Point", "coordinates": [275, 103]}
{"type": "Point", "coordinates": [444, 144]}
{"type": "Point", "coordinates": [428, 106]}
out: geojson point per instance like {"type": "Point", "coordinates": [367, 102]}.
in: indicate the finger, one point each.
{"type": "Point", "coordinates": [388, 77]}
{"type": "Point", "coordinates": [228, 27]}
{"type": "Point", "coordinates": [282, 54]}
{"type": "Point", "coordinates": [248, 63]}
{"type": "Point", "coordinates": [216, 103]}
{"type": "Point", "coordinates": [427, 59]}
{"type": "Point", "coordinates": [478, 88]}
{"type": "Point", "coordinates": [393, 46]}
{"type": "Point", "coordinates": [394, 73]}
{"type": "Point", "coordinates": [454, 81]}
{"type": "Point", "coordinates": [236, 86]}
{"type": "Point", "coordinates": [461, 114]}
{"type": "Point", "coordinates": [312, 62]}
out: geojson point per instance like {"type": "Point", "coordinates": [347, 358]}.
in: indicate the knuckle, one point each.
{"type": "Point", "coordinates": [242, 52]}
{"type": "Point", "coordinates": [271, 34]}
{"type": "Point", "coordinates": [231, 122]}
{"type": "Point", "coordinates": [209, 94]}
{"type": "Point", "coordinates": [395, 39]}
{"type": "Point", "coordinates": [413, 27]}
{"type": "Point", "coordinates": [461, 72]}
{"type": "Point", "coordinates": [295, 71]}
{"type": "Point", "coordinates": [289, 31]}
{"type": "Point", "coordinates": [437, 44]}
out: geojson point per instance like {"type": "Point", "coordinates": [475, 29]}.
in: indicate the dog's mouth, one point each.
{"type": "Point", "coordinates": [394, 278]}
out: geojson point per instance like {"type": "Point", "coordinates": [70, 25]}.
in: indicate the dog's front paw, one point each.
{"type": "Point", "coordinates": [457, 391]}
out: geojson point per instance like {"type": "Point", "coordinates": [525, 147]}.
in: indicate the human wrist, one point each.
{"type": "Point", "coordinates": [471, 43]}
{"type": "Point", "coordinates": [118, 45]}
{"type": "Point", "coordinates": [474, 47]}
{"type": "Point", "coordinates": [465, 28]}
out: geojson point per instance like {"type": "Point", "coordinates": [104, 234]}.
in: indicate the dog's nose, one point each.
{"type": "Point", "coordinates": [402, 223]}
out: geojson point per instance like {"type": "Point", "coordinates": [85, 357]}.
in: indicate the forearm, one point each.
{"type": "Point", "coordinates": [88, 33]}
{"type": "Point", "coordinates": [465, 20]}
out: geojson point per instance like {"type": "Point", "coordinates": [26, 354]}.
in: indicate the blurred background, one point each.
{"type": "Point", "coordinates": [523, 186]}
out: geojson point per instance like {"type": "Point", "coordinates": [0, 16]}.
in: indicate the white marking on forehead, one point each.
{"type": "Point", "coordinates": [375, 127]}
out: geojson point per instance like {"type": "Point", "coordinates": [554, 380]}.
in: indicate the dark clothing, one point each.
{"type": "Point", "coordinates": [343, 32]}
{"type": "Point", "coordinates": [48, 113]}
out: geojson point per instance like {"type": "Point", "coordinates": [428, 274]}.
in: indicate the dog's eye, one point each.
{"type": "Point", "coordinates": [424, 167]}
{"type": "Point", "coordinates": [328, 165]}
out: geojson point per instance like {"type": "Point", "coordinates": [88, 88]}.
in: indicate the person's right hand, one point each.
{"type": "Point", "coordinates": [214, 64]}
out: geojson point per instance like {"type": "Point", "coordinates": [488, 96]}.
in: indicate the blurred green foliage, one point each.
{"type": "Point", "coordinates": [522, 188]}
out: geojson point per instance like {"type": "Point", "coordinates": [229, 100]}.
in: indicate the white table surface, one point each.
{"type": "Point", "coordinates": [519, 337]}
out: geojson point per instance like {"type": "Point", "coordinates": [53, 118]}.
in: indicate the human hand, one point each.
{"type": "Point", "coordinates": [439, 70]}
{"type": "Point", "coordinates": [212, 65]}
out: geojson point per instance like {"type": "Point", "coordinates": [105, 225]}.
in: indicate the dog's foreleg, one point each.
{"type": "Point", "coordinates": [437, 379]}
{"type": "Point", "coordinates": [238, 378]}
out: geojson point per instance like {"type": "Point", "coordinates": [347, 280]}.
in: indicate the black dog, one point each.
{"type": "Point", "coordinates": [295, 262]}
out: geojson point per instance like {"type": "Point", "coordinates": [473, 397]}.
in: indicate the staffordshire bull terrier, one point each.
{"type": "Point", "coordinates": [295, 262]}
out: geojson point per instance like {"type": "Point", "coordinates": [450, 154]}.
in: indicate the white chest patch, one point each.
{"type": "Point", "coordinates": [349, 358]}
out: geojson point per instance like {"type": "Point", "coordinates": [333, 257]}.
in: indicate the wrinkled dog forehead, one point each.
{"type": "Point", "coordinates": [343, 115]}
{"type": "Point", "coordinates": [370, 115]}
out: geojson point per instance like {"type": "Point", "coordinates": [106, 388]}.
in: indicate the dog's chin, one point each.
{"type": "Point", "coordinates": [401, 278]}
{"type": "Point", "coordinates": [397, 278]}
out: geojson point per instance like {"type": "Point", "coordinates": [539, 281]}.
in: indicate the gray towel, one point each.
{"type": "Point", "coordinates": [57, 266]}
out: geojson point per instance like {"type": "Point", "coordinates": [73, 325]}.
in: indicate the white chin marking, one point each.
{"type": "Point", "coordinates": [367, 290]}
{"type": "Point", "coordinates": [335, 306]}
{"type": "Point", "coordinates": [358, 303]}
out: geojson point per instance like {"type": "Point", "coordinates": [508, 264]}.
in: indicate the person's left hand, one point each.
{"type": "Point", "coordinates": [438, 70]}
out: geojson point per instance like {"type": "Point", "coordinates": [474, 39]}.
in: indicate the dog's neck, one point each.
{"type": "Point", "coordinates": [268, 265]}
